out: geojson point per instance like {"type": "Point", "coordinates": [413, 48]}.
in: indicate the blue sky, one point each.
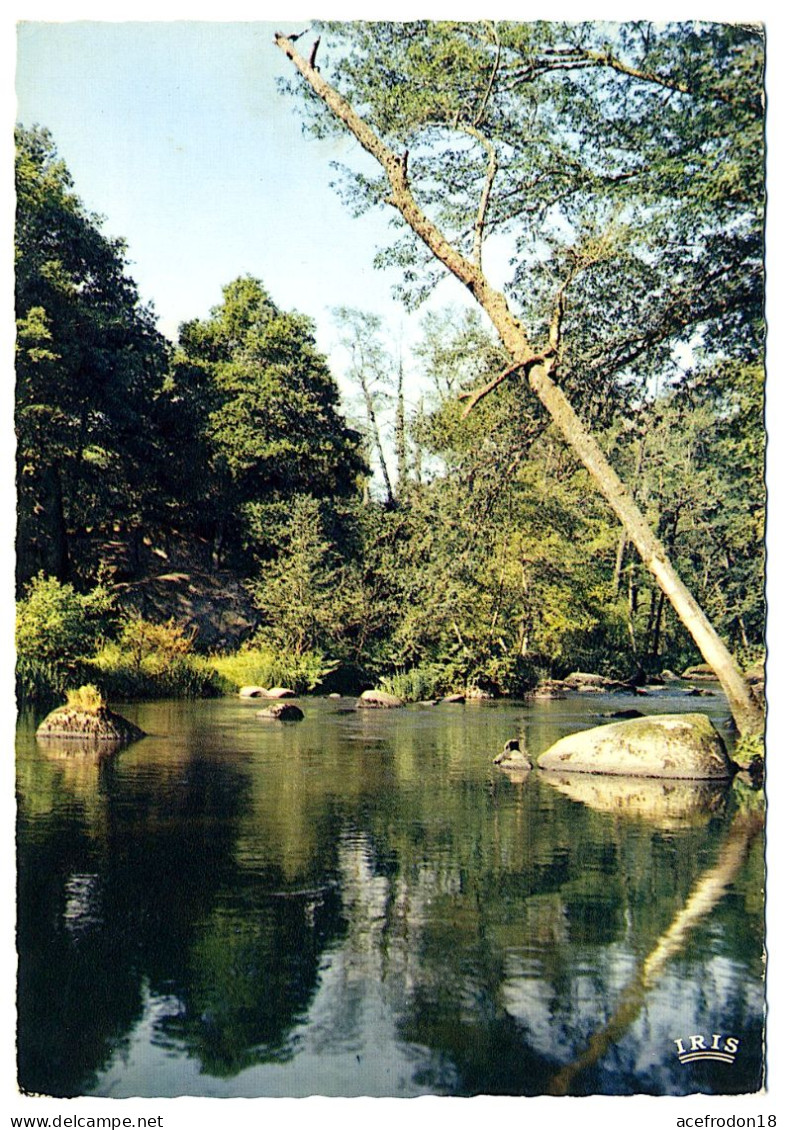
{"type": "Point", "coordinates": [177, 134]}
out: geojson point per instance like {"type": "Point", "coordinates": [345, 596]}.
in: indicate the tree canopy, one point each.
{"type": "Point", "coordinates": [266, 408]}
{"type": "Point", "coordinates": [619, 160]}
{"type": "Point", "coordinates": [602, 154]}
{"type": "Point", "coordinates": [89, 361]}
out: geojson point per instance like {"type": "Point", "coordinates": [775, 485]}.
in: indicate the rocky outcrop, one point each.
{"type": "Point", "coordinates": [699, 671]}
{"type": "Point", "coordinates": [680, 746]}
{"type": "Point", "coordinates": [88, 729]}
{"type": "Point", "coordinates": [251, 692]}
{"type": "Point", "coordinates": [281, 712]}
{"type": "Point", "coordinates": [165, 576]}
{"type": "Point", "coordinates": [378, 700]}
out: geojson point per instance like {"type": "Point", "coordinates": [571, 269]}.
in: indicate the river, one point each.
{"type": "Point", "coordinates": [360, 903]}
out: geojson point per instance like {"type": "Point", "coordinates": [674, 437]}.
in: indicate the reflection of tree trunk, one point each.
{"type": "Point", "coordinates": [539, 369]}
{"type": "Point", "coordinates": [708, 891]}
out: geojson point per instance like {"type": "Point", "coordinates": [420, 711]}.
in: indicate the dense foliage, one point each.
{"type": "Point", "coordinates": [89, 361]}
{"type": "Point", "coordinates": [620, 167]}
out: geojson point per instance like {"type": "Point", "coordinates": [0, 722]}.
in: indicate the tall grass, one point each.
{"type": "Point", "coordinates": [87, 698]}
{"type": "Point", "coordinates": [417, 684]}
{"type": "Point", "coordinates": [122, 674]}
{"type": "Point", "coordinates": [262, 666]}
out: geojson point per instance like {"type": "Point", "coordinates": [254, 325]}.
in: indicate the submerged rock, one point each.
{"type": "Point", "coordinates": [88, 729]}
{"type": "Point", "coordinates": [680, 746]}
{"type": "Point", "coordinates": [281, 712]}
{"type": "Point", "coordinates": [379, 700]}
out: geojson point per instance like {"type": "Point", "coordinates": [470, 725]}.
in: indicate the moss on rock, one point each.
{"type": "Point", "coordinates": [680, 746]}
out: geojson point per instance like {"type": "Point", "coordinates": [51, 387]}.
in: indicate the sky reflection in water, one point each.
{"type": "Point", "coordinates": [361, 904]}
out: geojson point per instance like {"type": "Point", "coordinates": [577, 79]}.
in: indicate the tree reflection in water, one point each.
{"type": "Point", "coordinates": [365, 906]}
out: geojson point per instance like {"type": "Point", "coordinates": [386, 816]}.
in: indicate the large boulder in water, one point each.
{"type": "Point", "coordinates": [681, 746]}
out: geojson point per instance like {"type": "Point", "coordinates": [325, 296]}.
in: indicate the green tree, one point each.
{"type": "Point", "coordinates": [697, 459]}
{"type": "Point", "coordinates": [623, 166]}
{"type": "Point", "coordinates": [271, 427]}
{"type": "Point", "coordinates": [89, 362]}
{"type": "Point", "coordinates": [298, 593]}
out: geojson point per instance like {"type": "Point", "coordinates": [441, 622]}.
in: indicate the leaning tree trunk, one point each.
{"type": "Point", "coordinates": [538, 367]}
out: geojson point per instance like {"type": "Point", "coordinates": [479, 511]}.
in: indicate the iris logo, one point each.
{"type": "Point", "coordinates": [716, 1047]}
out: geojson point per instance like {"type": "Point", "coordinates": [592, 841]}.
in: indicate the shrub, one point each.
{"type": "Point", "coordinates": [153, 661]}
{"type": "Point", "coordinates": [511, 674]}
{"type": "Point", "coordinates": [424, 682]}
{"type": "Point", "coordinates": [57, 628]}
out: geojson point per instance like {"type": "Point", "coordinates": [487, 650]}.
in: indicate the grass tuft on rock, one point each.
{"type": "Point", "coordinates": [87, 698]}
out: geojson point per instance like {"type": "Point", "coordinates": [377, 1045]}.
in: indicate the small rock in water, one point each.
{"type": "Point", "coordinates": [281, 712]}
{"type": "Point", "coordinates": [378, 700]}
{"type": "Point", "coordinates": [88, 729]}
{"type": "Point", "coordinates": [512, 757]}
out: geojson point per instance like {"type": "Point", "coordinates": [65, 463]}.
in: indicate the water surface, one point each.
{"type": "Point", "coordinates": [361, 904]}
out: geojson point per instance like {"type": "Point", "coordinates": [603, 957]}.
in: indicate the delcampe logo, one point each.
{"type": "Point", "coordinates": [716, 1047]}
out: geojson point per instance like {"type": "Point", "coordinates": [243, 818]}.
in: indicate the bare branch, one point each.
{"type": "Point", "coordinates": [479, 394]}
{"type": "Point", "coordinates": [576, 58]}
